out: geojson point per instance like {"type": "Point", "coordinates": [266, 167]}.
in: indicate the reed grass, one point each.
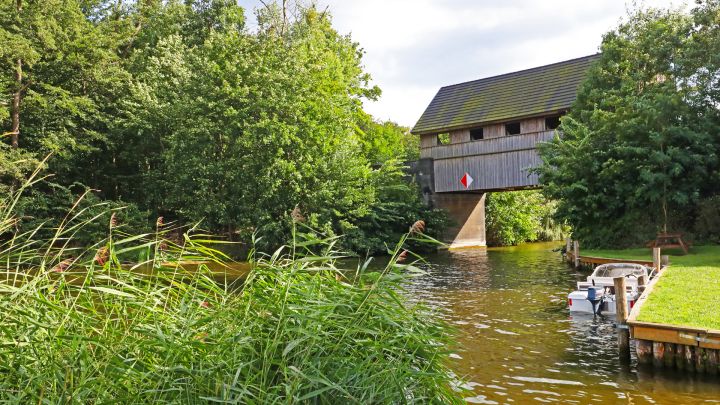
{"type": "Point", "coordinates": [81, 325]}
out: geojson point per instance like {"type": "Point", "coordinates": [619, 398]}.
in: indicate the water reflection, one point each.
{"type": "Point", "coordinates": [518, 343]}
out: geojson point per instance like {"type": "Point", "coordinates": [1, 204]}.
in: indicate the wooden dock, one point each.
{"type": "Point", "coordinates": [661, 345]}
{"type": "Point", "coordinates": [573, 256]}
{"type": "Point", "coordinates": [673, 346]}
{"type": "Point", "coordinates": [592, 261]}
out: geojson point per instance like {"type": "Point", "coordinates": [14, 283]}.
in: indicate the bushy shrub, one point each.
{"type": "Point", "coordinates": [46, 206]}
{"type": "Point", "coordinates": [707, 222]}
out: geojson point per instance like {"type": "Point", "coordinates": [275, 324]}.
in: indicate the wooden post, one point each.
{"type": "Point", "coordinates": [680, 357]}
{"type": "Point", "coordinates": [644, 351]}
{"type": "Point", "coordinates": [656, 259]}
{"type": "Point", "coordinates": [568, 248]}
{"type": "Point", "coordinates": [658, 353]}
{"type": "Point", "coordinates": [642, 281]}
{"type": "Point", "coordinates": [576, 253]}
{"type": "Point", "coordinates": [712, 362]}
{"type": "Point", "coordinates": [689, 359]}
{"type": "Point", "coordinates": [621, 312]}
{"type": "Point", "coordinates": [670, 355]}
{"type": "Point", "coordinates": [665, 260]}
{"type": "Point", "coordinates": [700, 359]}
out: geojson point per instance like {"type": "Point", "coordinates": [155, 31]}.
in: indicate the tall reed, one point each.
{"type": "Point", "coordinates": [78, 324]}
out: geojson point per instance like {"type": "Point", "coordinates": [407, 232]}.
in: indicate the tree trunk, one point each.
{"type": "Point", "coordinates": [15, 109]}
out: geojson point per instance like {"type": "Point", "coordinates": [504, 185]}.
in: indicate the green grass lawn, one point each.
{"type": "Point", "coordinates": [688, 295]}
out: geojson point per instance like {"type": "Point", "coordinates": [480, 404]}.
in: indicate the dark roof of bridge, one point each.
{"type": "Point", "coordinates": [512, 95]}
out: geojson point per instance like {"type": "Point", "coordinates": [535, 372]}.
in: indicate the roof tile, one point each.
{"type": "Point", "coordinates": [511, 95]}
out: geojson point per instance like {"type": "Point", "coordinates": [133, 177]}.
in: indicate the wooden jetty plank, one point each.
{"type": "Point", "coordinates": [710, 339]}
{"type": "Point", "coordinates": [664, 335]}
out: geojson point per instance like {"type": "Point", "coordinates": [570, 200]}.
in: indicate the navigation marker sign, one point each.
{"type": "Point", "coordinates": [466, 180]}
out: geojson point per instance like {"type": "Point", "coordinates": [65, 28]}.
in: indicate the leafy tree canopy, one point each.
{"type": "Point", "coordinates": [640, 144]}
{"type": "Point", "coordinates": [176, 107]}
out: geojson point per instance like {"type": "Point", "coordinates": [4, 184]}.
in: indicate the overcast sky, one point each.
{"type": "Point", "coordinates": [414, 47]}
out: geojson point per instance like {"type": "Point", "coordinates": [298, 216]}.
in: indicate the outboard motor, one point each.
{"type": "Point", "coordinates": [593, 298]}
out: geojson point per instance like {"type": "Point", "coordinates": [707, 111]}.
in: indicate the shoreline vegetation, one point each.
{"type": "Point", "coordinates": [688, 294]}
{"type": "Point", "coordinates": [80, 326]}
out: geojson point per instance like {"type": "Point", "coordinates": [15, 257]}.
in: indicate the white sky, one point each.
{"type": "Point", "coordinates": [414, 47]}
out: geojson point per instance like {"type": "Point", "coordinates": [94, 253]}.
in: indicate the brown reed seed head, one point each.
{"type": "Point", "coordinates": [297, 215]}
{"type": "Point", "coordinates": [160, 222]}
{"type": "Point", "coordinates": [205, 304]}
{"type": "Point", "coordinates": [102, 255]}
{"type": "Point", "coordinates": [113, 221]}
{"type": "Point", "coordinates": [418, 227]}
{"type": "Point", "coordinates": [62, 266]}
{"type": "Point", "coordinates": [402, 256]}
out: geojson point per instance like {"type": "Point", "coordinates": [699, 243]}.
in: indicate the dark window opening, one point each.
{"type": "Point", "coordinates": [512, 128]}
{"type": "Point", "coordinates": [443, 139]}
{"type": "Point", "coordinates": [476, 134]}
{"type": "Point", "coordinates": [552, 122]}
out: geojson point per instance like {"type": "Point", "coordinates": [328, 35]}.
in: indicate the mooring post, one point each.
{"type": "Point", "coordinates": [621, 311]}
{"type": "Point", "coordinates": [576, 253]}
{"type": "Point", "coordinates": [568, 248]}
{"type": "Point", "coordinates": [642, 281]}
{"type": "Point", "coordinates": [656, 259]}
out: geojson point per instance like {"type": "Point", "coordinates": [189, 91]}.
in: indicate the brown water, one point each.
{"type": "Point", "coordinates": [520, 345]}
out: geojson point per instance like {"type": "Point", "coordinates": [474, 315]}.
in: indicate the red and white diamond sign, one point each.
{"type": "Point", "coordinates": [466, 180]}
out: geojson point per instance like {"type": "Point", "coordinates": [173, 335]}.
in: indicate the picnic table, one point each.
{"type": "Point", "coordinates": [669, 241]}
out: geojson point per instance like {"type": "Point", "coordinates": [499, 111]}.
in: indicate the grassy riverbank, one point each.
{"type": "Point", "coordinates": [688, 294]}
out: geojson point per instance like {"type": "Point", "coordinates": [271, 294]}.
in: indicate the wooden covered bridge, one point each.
{"type": "Point", "coordinates": [482, 136]}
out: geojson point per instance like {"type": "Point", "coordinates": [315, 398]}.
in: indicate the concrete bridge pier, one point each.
{"type": "Point", "coordinates": [467, 211]}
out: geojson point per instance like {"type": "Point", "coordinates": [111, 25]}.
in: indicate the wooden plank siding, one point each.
{"type": "Point", "coordinates": [460, 136]}
{"type": "Point", "coordinates": [495, 163]}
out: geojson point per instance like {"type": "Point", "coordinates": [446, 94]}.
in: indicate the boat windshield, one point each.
{"type": "Point", "coordinates": [619, 270]}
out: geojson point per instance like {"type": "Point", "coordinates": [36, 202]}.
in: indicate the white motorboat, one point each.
{"type": "Point", "coordinates": [597, 294]}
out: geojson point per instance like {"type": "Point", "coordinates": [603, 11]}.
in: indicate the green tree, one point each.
{"type": "Point", "coordinates": [383, 141]}
{"type": "Point", "coordinates": [636, 153]}
{"type": "Point", "coordinates": [521, 216]}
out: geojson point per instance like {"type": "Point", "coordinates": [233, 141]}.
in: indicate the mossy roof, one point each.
{"type": "Point", "coordinates": [524, 93]}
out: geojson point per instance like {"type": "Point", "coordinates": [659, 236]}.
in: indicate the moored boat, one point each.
{"type": "Point", "coordinates": [597, 294]}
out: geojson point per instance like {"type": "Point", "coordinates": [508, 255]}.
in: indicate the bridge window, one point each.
{"type": "Point", "coordinates": [512, 128]}
{"type": "Point", "coordinates": [444, 138]}
{"type": "Point", "coordinates": [476, 134]}
{"type": "Point", "coordinates": [552, 122]}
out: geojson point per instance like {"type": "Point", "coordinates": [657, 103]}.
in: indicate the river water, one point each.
{"type": "Point", "coordinates": [518, 344]}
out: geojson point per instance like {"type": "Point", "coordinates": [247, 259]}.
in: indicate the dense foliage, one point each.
{"type": "Point", "coordinates": [640, 145]}
{"type": "Point", "coordinates": [177, 109]}
{"type": "Point", "coordinates": [78, 326]}
{"type": "Point", "coordinates": [521, 216]}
